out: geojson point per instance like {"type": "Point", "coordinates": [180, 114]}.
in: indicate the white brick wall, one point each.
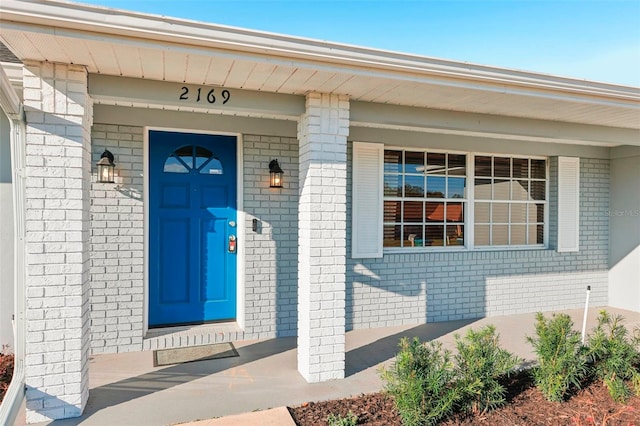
{"type": "Point", "coordinates": [322, 134]}
{"type": "Point", "coordinates": [117, 243]}
{"type": "Point", "coordinates": [271, 265]}
{"type": "Point", "coordinates": [59, 113]}
{"type": "Point", "coordinates": [398, 289]}
{"type": "Point", "coordinates": [117, 252]}
{"type": "Point", "coordinates": [411, 288]}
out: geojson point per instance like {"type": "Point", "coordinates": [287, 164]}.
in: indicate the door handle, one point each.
{"type": "Point", "coordinates": [232, 244]}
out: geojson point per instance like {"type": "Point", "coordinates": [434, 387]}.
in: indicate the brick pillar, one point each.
{"type": "Point", "coordinates": [322, 133]}
{"type": "Point", "coordinates": [59, 115]}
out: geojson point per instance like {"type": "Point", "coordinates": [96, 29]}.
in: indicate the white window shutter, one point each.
{"type": "Point", "coordinates": [568, 204]}
{"type": "Point", "coordinates": [366, 211]}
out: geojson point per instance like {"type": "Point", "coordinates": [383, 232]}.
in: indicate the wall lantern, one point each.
{"type": "Point", "coordinates": [106, 167]}
{"type": "Point", "coordinates": [275, 174]}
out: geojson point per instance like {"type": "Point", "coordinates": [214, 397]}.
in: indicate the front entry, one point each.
{"type": "Point", "coordinates": [192, 228]}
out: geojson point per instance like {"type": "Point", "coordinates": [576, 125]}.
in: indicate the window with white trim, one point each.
{"type": "Point", "coordinates": [510, 201]}
{"type": "Point", "coordinates": [425, 199]}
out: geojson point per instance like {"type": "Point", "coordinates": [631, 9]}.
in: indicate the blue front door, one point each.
{"type": "Point", "coordinates": [192, 228]}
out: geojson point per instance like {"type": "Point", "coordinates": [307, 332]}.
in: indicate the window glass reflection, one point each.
{"type": "Point", "coordinates": [457, 165]}
{"type": "Point", "coordinates": [414, 162]}
{"type": "Point", "coordinates": [434, 235]}
{"type": "Point", "coordinates": [538, 190]}
{"type": "Point", "coordinates": [483, 189]}
{"type": "Point", "coordinates": [538, 169]}
{"type": "Point", "coordinates": [483, 166]}
{"type": "Point", "coordinates": [393, 161]}
{"type": "Point", "coordinates": [413, 236]}
{"type": "Point", "coordinates": [202, 155]}
{"type": "Point", "coordinates": [436, 163]}
{"type": "Point", "coordinates": [456, 188]}
{"type": "Point", "coordinates": [435, 187]}
{"type": "Point", "coordinates": [501, 189]}
{"type": "Point", "coordinates": [501, 167]}
{"type": "Point", "coordinates": [393, 211]}
{"type": "Point", "coordinates": [455, 212]}
{"type": "Point", "coordinates": [413, 186]}
{"type": "Point", "coordinates": [413, 211]}
{"type": "Point", "coordinates": [455, 235]}
{"type": "Point", "coordinates": [410, 179]}
{"type": "Point", "coordinates": [434, 212]}
{"type": "Point", "coordinates": [197, 158]}
{"type": "Point", "coordinates": [520, 168]}
{"type": "Point", "coordinates": [392, 235]}
{"type": "Point", "coordinates": [185, 153]}
{"type": "Point", "coordinates": [520, 190]}
{"type": "Point", "coordinates": [173, 165]}
{"type": "Point", "coordinates": [213, 167]}
{"type": "Point", "coordinates": [393, 185]}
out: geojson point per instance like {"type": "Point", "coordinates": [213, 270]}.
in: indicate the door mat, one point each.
{"type": "Point", "coordinates": [193, 353]}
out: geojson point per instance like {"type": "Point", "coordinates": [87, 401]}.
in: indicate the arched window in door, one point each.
{"type": "Point", "coordinates": [193, 159]}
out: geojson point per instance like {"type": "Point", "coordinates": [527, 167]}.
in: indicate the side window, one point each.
{"type": "Point", "coordinates": [193, 158]}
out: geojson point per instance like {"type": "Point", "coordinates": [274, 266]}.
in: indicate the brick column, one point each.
{"type": "Point", "coordinates": [59, 115]}
{"type": "Point", "coordinates": [322, 133]}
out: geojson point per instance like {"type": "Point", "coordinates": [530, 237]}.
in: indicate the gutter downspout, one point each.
{"type": "Point", "coordinates": [15, 394]}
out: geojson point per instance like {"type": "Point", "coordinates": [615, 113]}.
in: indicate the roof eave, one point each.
{"type": "Point", "coordinates": [91, 19]}
{"type": "Point", "coordinates": [9, 99]}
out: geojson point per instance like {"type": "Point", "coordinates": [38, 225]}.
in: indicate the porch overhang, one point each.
{"type": "Point", "coordinates": [9, 99]}
{"type": "Point", "coordinates": [121, 43]}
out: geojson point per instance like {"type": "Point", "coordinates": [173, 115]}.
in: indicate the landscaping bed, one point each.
{"type": "Point", "coordinates": [6, 372]}
{"type": "Point", "coordinates": [573, 381]}
{"type": "Point", "coordinates": [526, 405]}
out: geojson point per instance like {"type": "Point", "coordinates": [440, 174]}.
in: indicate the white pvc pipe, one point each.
{"type": "Point", "coordinates": [584, 319]}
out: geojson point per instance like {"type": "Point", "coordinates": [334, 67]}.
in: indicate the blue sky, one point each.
{"type": "Point", "coordinates": [594, 40]}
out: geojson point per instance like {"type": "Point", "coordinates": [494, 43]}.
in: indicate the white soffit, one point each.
{"type": "Point", "coordinates": [9, 100]}
{"type": "Point", "coordinates": [121, 43]}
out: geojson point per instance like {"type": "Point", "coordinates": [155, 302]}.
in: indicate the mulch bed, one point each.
{"type": "Point", "coordinates": [590, 405]}
{"type": "Point", "coordinates": [6, 372]}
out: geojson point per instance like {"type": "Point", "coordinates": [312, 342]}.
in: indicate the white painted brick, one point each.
{"type": "Point", "coordinates": [476, 284]}
{"type": "Point", "coordinates": [321, 228]}
{"type": "Point", "coordinates": [48, 260]}
{"type": "Point", "coordinates": [125, 242]}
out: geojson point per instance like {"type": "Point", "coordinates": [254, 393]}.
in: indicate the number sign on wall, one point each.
{"type": "Point", "coordinates": [200, 94]}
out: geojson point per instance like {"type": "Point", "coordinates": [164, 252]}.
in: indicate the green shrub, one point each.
{"type": "Point", "coordinates": [613, 356]}
{"type": "Point", "coordinates": [561, 358]}
{"type": "Point", "coordinates": [480, 363]}
{"type": "Point", "coordinates": [421, 382]}
{"type": "Point", "coordinates": [337, 420]}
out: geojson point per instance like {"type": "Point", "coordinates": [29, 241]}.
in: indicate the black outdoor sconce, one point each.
{"type": "Point", "coordinates": [275, 174]}
{"type": "Point", "coordinates": [106, 167]}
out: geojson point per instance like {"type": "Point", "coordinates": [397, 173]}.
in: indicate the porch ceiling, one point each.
{"type": "Point", "coordinates": [136, 45]}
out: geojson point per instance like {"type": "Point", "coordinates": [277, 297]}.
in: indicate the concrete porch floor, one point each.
{"type": "Point", "coordinates": [127, 390]}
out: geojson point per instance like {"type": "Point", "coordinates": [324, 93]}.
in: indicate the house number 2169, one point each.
{"type": "Point", "coordinates": [199, 95]}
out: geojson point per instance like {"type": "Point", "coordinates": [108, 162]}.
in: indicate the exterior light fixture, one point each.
{"type": "Point", "coordinates": [275, 174]}
{"type": "Point", "coordinates": [106, 167]}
